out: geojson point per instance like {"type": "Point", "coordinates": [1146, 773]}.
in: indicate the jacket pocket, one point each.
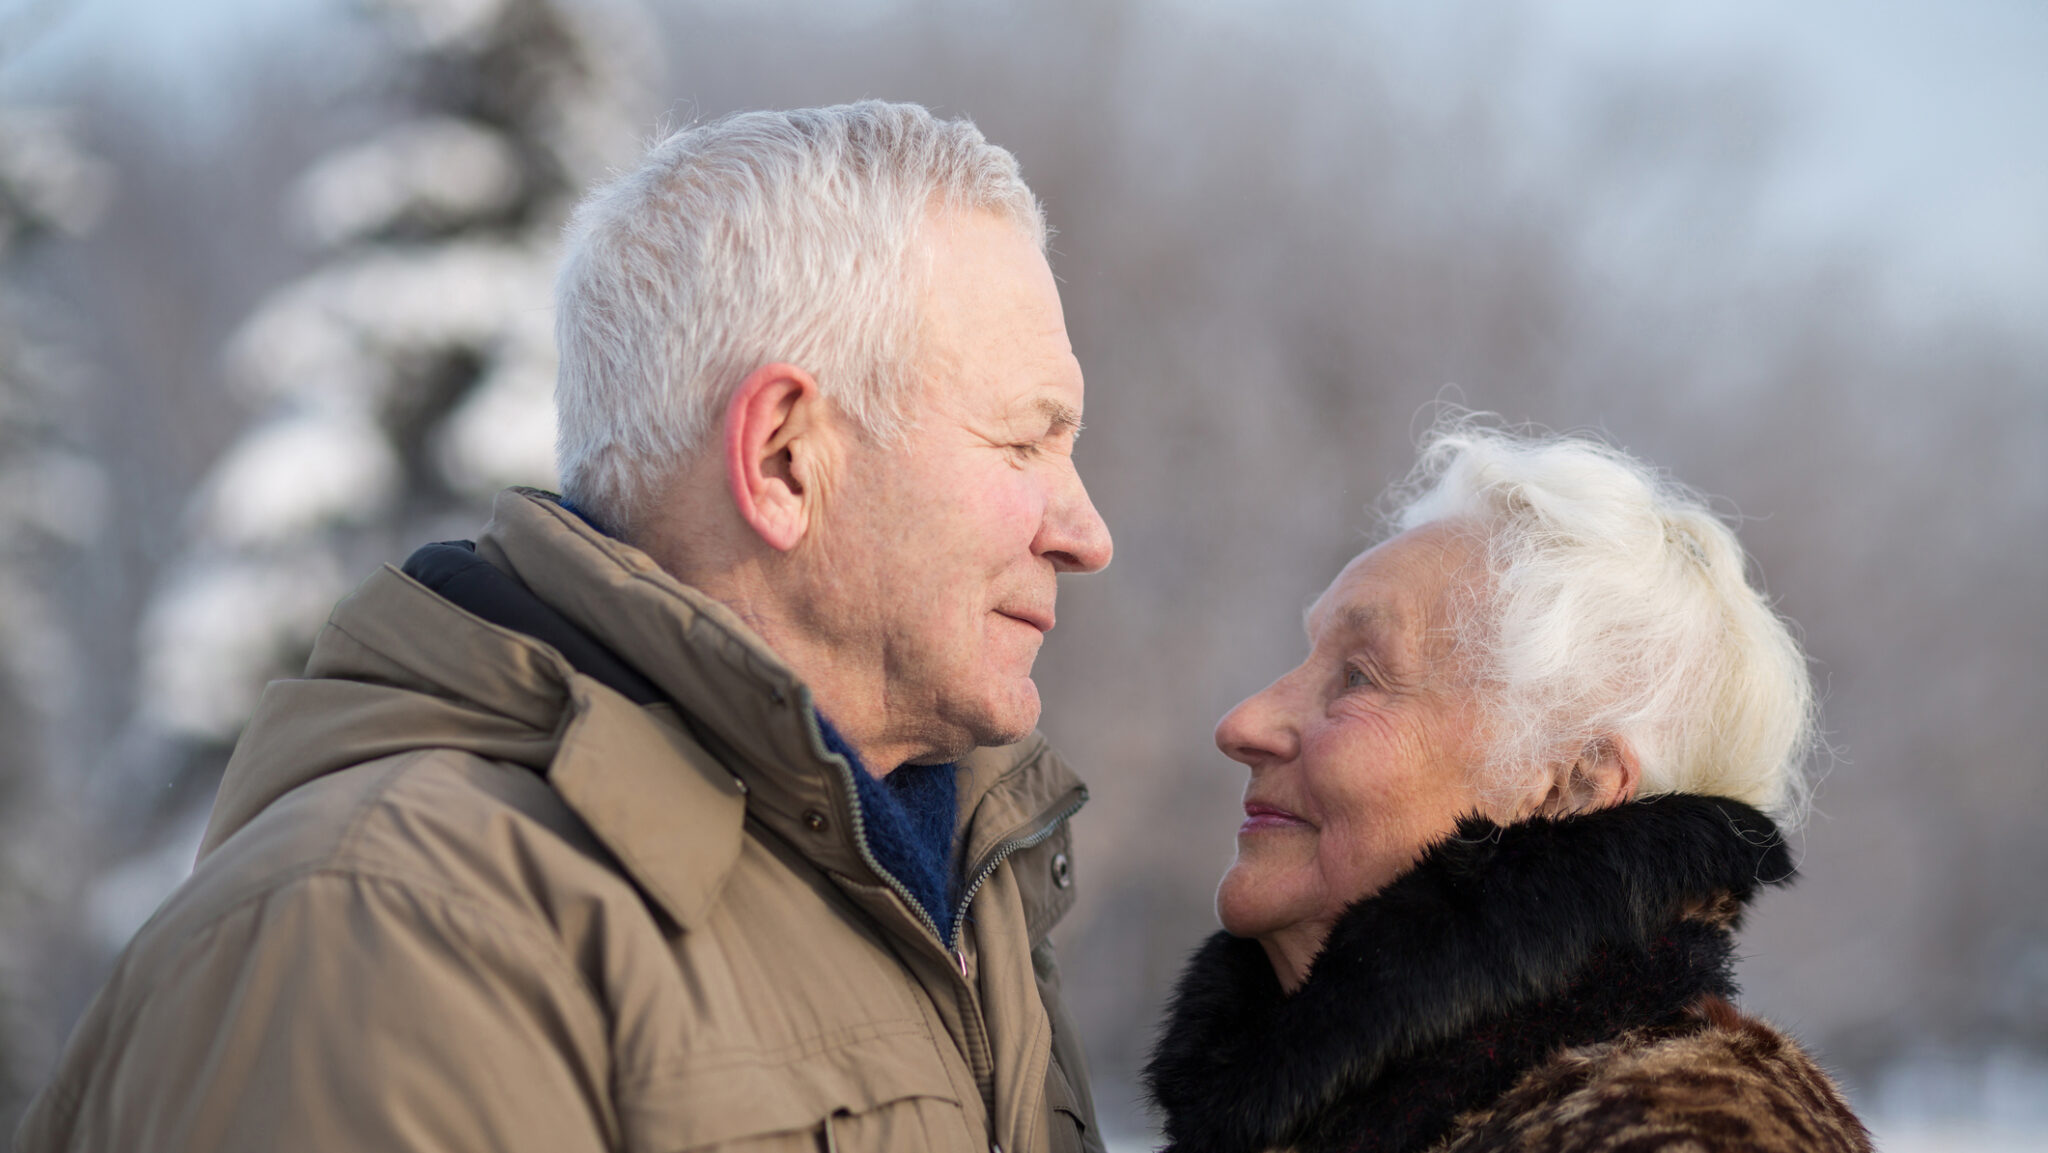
{"type": "Point", "coordinates": [883, 1088]}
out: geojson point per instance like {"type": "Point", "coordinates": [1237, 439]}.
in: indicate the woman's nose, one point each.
{"type": "Point", "coordinates": [1261, 729]}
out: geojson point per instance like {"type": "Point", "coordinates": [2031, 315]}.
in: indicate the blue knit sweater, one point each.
{"type": "Point", "coordinates": [909, 816]}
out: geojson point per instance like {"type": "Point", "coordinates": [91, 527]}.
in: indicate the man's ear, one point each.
{"type": "Point", "coordinates": [773, 441]}
{"type": "Point", "coordinates": [1607, 772]}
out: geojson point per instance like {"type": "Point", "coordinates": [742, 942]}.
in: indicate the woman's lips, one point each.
{"type": "Point", "coordinates": [1259, 817]}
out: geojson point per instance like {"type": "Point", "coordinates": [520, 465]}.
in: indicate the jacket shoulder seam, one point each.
{"type": "Point", "coordinates": [466, 906]}
{"type": "Point", "coordinates": [374, 796]}
{"type": "Point", "coordinates": [347, 859]}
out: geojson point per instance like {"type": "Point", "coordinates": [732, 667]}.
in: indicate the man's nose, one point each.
{"type": "Point", "coordinates": [1074, 536]}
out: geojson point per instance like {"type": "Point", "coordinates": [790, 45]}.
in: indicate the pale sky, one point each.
{"type": "Point", "coordinates": [1921, 121]}
{"type": "Point", "coordinates": [1920, 126]}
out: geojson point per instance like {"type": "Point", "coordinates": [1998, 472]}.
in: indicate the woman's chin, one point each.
{"type": "Point", "coordinates": [1250, 905]}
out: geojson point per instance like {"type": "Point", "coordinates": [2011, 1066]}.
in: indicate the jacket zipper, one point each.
{"type": "Point", "coordinates": [990, 863]}
{"type": "Point", "coordinates": [981, 1061]}
{"type": "Point", "coordinates": [860, 843]}
{"type": "Point", "coordinates": [1002, 852]}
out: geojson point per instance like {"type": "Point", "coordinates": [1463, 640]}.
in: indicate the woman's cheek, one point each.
{"type": "Point", "coordinates": [1364, 716]}
{"type": "Point", "coordinates": [1343, 758]}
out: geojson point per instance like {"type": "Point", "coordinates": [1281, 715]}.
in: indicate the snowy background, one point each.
{"type": "Point", "coordinates": [274, 310]}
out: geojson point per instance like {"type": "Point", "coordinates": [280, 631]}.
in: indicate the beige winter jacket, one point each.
{"type": "Point", "coordinates": [457, 895]}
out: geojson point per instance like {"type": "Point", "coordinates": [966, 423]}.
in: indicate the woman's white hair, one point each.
{"type": "Point", "coordinates": [1616, 606]}
{"type": "Point", "coordinates": [760, 237]}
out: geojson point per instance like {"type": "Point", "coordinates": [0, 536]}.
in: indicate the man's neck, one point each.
{"type": "Point", "coordinates": [848, 686]}
{"type": "Point", "coordinates": [809, 611]}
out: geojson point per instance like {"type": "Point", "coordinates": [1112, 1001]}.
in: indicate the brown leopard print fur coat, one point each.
{"type": "Point", "coordinates": [1556, 986]}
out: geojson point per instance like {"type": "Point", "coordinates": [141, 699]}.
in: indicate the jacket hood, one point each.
{"type": "Point", "coordinates": [1499, 947]}
{"type": "Point", "coordinates": [400, 667]}
{"type": "Point", "coordinates": [396, 668]}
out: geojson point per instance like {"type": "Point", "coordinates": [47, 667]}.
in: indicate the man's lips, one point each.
{"type": "Point", "coordinates": [1261, 816]}
{"type": "Point", "coordinates": [1042, 621]}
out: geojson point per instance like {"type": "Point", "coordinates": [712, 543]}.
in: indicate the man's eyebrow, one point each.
{"type": "Point", "coordinates": [1060, 415]}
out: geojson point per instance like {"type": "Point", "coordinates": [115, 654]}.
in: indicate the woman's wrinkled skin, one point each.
{"type": "Point", "coordinates": [1370, 750]}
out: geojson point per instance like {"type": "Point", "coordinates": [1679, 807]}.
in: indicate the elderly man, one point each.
{"type": "Point", "coordinates": [699, 808]}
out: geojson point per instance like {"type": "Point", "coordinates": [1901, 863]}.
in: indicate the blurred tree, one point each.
{"type": "Point", "coordinates": [53, 498]}
{"type": "Point", "coordinates": [393, 387]}
{"type": "Point", "coordinates": [410, 375]}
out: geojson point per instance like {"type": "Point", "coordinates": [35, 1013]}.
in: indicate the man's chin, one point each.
{"type": "Point", "coordinates": [1007, 720]}
{"type": "Point", "coordinates": [1003, 713]}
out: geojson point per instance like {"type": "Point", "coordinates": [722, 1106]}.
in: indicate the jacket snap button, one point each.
{"type": "Point", "coordinates": [814, 821]}
{"type": "Point", "coordinates": [1062, 871]}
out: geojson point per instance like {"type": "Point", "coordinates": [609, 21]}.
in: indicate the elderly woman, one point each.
{"type": "Point", "coordinates": [1500, 826]}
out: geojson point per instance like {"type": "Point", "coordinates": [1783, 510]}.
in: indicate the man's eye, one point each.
{"type": "Point", "coordinates": [1026, 448]}
{"type": "Point", "coordinates": [1355, 678]}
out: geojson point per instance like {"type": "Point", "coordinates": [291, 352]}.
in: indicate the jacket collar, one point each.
{"type": "Point", "coordinates": [1499, 946]}
{"type": "Point", "coordinates": [740, 699]}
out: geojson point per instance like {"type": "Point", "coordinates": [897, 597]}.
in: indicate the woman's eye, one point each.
{"type": "Point", "coordinates": [1355, 678]}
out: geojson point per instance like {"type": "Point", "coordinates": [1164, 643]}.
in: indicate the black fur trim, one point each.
{"type": "Point", "coordinates": [1498, 947]}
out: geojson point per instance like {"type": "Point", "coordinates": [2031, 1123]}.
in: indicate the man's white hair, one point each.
{"type": "Point", "coordinates": [760, 237]}
{"type": "Point", "coordinates": [1616, 605]}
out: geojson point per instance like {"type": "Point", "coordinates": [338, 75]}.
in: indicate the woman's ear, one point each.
{"type": "Point", "coordinates": [774, 428]}
{"type": "Point", "coordinates": [1606, 773]}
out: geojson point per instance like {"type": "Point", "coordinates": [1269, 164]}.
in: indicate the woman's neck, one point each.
{"type": "Point", "coordinates": [1293, 950]}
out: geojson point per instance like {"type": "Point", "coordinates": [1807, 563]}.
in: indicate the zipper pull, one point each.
{"type": "Point", "coordinates": [960, 956]}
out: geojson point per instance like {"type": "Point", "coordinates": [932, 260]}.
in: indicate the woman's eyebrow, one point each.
{"type": "Point", "coordinates": [1367, 620]}
{"type": "Point", "coordinates": [1371, 620]}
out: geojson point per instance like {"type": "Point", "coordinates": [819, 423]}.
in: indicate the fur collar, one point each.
{"type": "Point", "coordinates": [1430, 997]}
